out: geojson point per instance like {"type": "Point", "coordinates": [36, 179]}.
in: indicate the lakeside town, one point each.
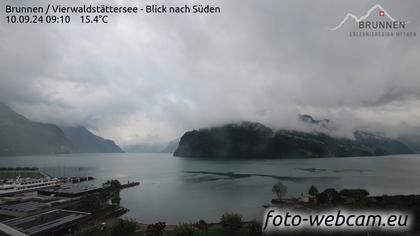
{"type": "Point", "coordinates": [35, 203]}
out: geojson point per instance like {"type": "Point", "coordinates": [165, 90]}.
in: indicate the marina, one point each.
{"type": "Point", "coordinates": [41, 204]}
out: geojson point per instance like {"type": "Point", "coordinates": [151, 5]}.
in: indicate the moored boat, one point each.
{"type": "Point", "coordinates": [28, 185]}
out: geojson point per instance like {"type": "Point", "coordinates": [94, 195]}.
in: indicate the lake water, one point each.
{"type": "Point", "coordinates": [179, 190]}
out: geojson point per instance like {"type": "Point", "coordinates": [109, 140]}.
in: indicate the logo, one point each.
{"type": "Point", "coordinates": [377, 22]}
{"type": "Point", "coordinates": [381, 13]}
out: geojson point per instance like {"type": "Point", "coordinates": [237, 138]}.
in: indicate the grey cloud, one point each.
{"type": "Point", "coordinates": [154, 77]}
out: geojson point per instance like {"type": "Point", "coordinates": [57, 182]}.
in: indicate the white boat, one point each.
{"type": "Point", "coordinates": [28, 185]}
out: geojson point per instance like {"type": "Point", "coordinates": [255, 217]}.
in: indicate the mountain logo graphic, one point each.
{"type": "Point", "coordinates": [377, 7]}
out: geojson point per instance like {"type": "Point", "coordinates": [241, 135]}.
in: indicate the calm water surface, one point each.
{"type": "Point", "coordinates": [184, 190]}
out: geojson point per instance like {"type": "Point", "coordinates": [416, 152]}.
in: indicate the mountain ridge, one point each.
{"type": "Point", "coordinates": [252, 140]}
{"type": "Point", "coordinates": [22, 136]}
{"type": "Point", "coordinates": [85, 141]}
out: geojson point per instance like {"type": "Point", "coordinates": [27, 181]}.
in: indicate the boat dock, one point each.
{"type": "Point", "coordinates": [130, 184]}
{"type": "Point", "coordinates": [75, 179]}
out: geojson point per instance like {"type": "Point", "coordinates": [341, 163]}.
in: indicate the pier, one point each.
{"type": "Point", "coordinates": [130, 184]}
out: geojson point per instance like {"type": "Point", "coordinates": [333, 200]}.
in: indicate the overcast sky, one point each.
{"type": "Point", "coordinates": [150, 78]}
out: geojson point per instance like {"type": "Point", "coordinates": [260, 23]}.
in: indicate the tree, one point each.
{"type": "Point", "coordinates": [355, 194]}
{"type": "Point", "coordinates": [202, 226]}
{"type": "Point", "coordinates": [184, 230]}
{"type": "Point", "coordinates": [123, 227]}
{"type": "Point", "coordinates": [156, 229]}
{"type": "Point", "coordinates": [115, 200]}
{"type": "Point", "coordinates": [329, 196]}
{"type": "Point", "coordinates": [111, 191]}
{"type": "Point", "coordinates": [279, 189]}
{"type": "Point", "coordinates": [113, 186]}
{"type": "Point", "coordinates": [313, 191]}
{"type": "Point", "coordinates": [231, 223]}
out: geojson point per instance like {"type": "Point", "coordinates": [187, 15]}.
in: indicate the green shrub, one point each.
{"type": "Point", "coordinates": [184, 230]}
{"type": "Point", "coordinates": [313, 191]}
{"type": "Point", "coordinates": [231, 223]}
{"type": "Point", "coordinates": [123, 227]}
{"type": "Point", "coordinates": [254, 229]}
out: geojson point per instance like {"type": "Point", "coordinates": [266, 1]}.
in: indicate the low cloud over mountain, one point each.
{"type": "Point", "coordinates": [148, 79]}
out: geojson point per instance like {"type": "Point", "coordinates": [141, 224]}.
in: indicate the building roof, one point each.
{"type": "Point", "coordinates": [24, 207]}
{"type": "Point", "coordinates": [71, 190]}
{"type": "Point", "coordinates": [46, 222]}
{"type": "Point", "coordinates": [6, 230]}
